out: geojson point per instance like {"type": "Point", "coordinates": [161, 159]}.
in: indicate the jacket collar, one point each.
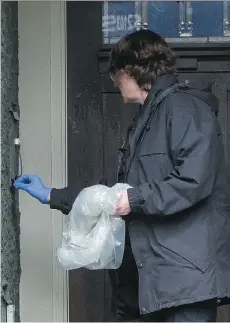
{"type": "Point", "coordinates": [162, 82]}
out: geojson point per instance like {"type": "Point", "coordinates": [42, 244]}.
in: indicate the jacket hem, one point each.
{"type": "Point", "coordinates": [160, 306]}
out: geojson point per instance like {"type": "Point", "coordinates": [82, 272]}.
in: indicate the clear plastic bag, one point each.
{"type": "Point", "coordinates": [92, 236]}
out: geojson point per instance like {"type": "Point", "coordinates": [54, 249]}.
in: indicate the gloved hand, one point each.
{"type": "Point", "coordinates": [33, 185]}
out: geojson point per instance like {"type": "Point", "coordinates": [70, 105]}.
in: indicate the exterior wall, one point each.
{"type": "Point", "coordinates": [43, 288]}
{"type": "Point", "coordinates": [10, 217]}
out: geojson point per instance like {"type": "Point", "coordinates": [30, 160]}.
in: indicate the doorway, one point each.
{"type": "Point", "coordinates": [97, 117]}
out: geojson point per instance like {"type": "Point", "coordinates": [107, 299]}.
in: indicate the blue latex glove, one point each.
{"type": "Point", "coordinates": [33, 185]}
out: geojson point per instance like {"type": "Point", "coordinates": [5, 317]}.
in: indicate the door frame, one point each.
{"type": "Point", "coordinates": [43, 134]}
{"type": "Point", "coordinates": [58, 48]}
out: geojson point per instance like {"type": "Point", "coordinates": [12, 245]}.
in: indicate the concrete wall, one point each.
{"type": "Point", "coordinates": [10, 218]}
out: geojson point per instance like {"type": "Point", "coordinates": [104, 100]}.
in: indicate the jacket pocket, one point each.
{"type": "Point", "coordinates": [156, 165]}
{"type": "Point", "coordinates": [178, 244]}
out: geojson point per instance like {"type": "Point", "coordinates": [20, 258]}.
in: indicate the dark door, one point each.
{"type": "Point", "coordinates": [87, 295]}
{"type": "Point", "coordinates": [97, 117]}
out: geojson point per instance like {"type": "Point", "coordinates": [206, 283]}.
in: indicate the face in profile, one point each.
{"type": "Point", "coordinates": [136, 61]}
{"type": "Point", "coordinates": [130, 90]}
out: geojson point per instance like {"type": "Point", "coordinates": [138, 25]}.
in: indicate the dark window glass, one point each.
{"type": "Point", "coordinates": [171, 19]}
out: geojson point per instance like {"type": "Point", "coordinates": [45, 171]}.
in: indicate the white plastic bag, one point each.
{"type": "Point", "coordinates": [93, 237]}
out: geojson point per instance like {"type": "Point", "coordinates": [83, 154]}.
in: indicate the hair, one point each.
{"type": "Point", "coordinates": [143, 55]}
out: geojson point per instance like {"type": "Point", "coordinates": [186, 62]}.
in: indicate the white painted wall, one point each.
{"type": "Point", "coordinates": [42, 38]}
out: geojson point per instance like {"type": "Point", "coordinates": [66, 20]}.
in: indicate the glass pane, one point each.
{"type": "Point", "coordinates": [187, 18]}
{"type": "Point", "coordinates": [119, 18]}
{"type": "Point", "coordinates": [171, 19]}
{"type": "Point", "coordinates": [207, 18]}
{"type": "Point", "coordinates": [163, 18]}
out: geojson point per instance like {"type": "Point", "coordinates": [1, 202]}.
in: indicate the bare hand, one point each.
{"type": "Point", "coordinates": [123, 207]}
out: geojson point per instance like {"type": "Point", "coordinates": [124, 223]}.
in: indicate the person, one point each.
{"type": "Point", "coordinates": [176, 264]}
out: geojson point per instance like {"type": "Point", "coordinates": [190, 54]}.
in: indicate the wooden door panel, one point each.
{"type": "Point", "coordinates": [87, 299]}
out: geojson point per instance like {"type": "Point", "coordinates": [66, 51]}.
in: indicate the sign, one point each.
{"type": "Point", "coordinates": [119, 23]}
{"type": "Point", "coordinates": [119, 19]}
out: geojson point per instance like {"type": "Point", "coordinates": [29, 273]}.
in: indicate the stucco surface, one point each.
{"type": "Point", "coordinates": [10, 218]}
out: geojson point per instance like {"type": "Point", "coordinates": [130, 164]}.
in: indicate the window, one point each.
{"type": "Point", "coordinates": [119, 18]}
{"type": "Point", "coordinates": [171, 19]}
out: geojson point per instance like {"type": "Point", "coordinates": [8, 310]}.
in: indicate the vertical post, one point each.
{"type": "Point", "coordinates": [185, 26]}
{"type": "Point", "coordinates": [138, 13]}
{"type": "Point", "coordinates": [226, 18]}
{"type": "Point", "coordinates": [145, 10]}
{"type": "Point", "coordinates": [58, 128]}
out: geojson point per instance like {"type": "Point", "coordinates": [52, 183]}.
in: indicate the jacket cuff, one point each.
{"type": "Point", "coordinates": [134, 199]}
{"type": "Point", "coordinates": [54, 198]}
{"type": "Point", "coordinates": [56, 201]}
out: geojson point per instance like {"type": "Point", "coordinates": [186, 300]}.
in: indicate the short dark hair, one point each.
{"type": "Point", "coordinates": [144, 55]}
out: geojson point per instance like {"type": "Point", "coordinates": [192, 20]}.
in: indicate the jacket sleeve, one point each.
{"type": "Point", "coordinates": [62, 199]}
{"type": "Point", "coordinates": [193, 138]}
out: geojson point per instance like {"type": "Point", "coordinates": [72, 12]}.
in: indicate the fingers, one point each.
{"type": "Point", "coordinates": [24, 181]}
{"type": "Point", "coordinates": [21, 186]}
